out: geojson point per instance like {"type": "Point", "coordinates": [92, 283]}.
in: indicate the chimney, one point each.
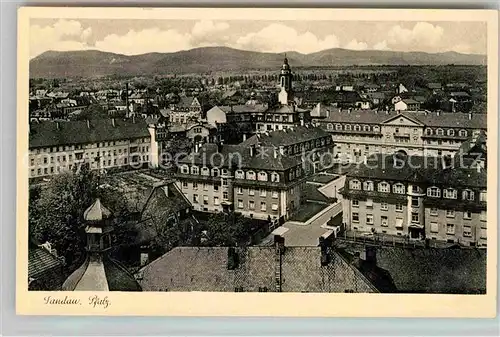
{"type": "Point", "coordinates": [196, 147]}
{"type": "Point", "coordinates": [470, 116]}
{"type": "Point", "coordinates": [219, 146]}
{"type": "Point", "coordinates": [478, 167]}
{"type": "Point", "coordinates": [365, 160]}
{"type": "Point", "coordinates": [437, 113]}
{"type": "Point", "coordinates": [252, 150]}
{"type": "Point", "coordinates": [58, 126]}
{"type": "Point", "coordinates": [275, 152]}
{"type": "Point", "coordinates": [113, 122]}
{"type": "Point", "coordinates": [88, 124]}
{"type": "Point", "coordinates": [232, 258]}
{"type": "Point", "coordinates": [244, 136]}
{"type": "Point", "coordinates": [302, 122]}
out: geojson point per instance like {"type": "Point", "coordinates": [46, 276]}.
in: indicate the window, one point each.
{"type": "Point", "coordinates": [450, 229]}
{"type": "Point", "coordinates": [205, 171]}
{"type": "Point", "coordinates": [355, 203]}
{"type": "Point", "coordinates": [467, 215]}
{"type": "Point", "coordinates": [483, 233]}
{"type": "Point", "coordinates": [224, 182]}
{"type": "Point", "coordinates": [263, 193]}
{"type": "Point", "coordinates": [215, 172]}
{"type": "Point", "coordinates": [195, 186]}
{"type": "Point", "coordinates": [185, 169]}
{"type": "Point", "coordinates": [439, 132]}
{"type": "Point", "coordinates": [239, 174]}
{"type": "Point", "coordinates": [348, 127]}
{"type": "Point", "coordinates": [184, 184]}
{"type": "Point", "coordinates": [216, 201]}
{"type": "Point", "coordinates": [262, 176]}
{"type": "Point", "coordinates": [357, 127]}
{"type": "Point", "coordinates": [368, 185]}
{"type": "Point", "coordinates": [369, 203]}
{"type": "Point", "coordinates": [205, 200]}
{"type": "Point", "coordinates": [275, 207]}
{"type": "Point", "coordinates": [463, 133]}
{"type": "Point", "coordinates": [251, 204]}
{"type": "Point", "coordinates": [225, 195]}
{"type": "Point", "coordinates": [205, 187]}
{"type": "Point", "coordinates": [376, 128]}
{"type": "Point", "coordinates": [399, 223]}
{"type": "Point", "coordinates": [415, 217]}
{"type": "Point", "coordinates": [355, 217]}
{"type": "Point", "coordinates": [383, 187]}
{"type": "Point", "coordinates": [384, 222]}
{"type": "Point", "coordinates": [398, 188]}
{"type": "Point", "coordinates": [251, 175]}
{"type": "Point", "coordinates": [355, 185]}
{"type": "Point", "coordinates": [384, 206]}
{"type": "Point", "coordinates": [369, 219]}
{"type": "Point", "coordinates": [338, 126]}
{"type": "Point", "coordinates": [415, 202]}
{"type": "Point", "coordinates": [450, 213]}
{"type": "Point", "coordinates": [275, 177]}
{"type": "Point", "coordinates": [468, 195]}
{"type": "Point", "coordinates": [195, 198]}
{"type": "Point", "coordinates": [450, 193]}
{"type": "Point", "coordinates": [239, 190]}
{"type": "Point", "coordinates": [482, 216]}
{"type": "Point", "coordinates": [263, 206]}
{"type": "Point", "coordinates": [329, 126]}
{"type": "Point", "coordinates": [251, 191]}
{"type": "Point", "coordinates": [434, 211]}
{"type": "Point", "coordinates": [416, 189]}
{"type": "Point", "coordinates": [366, 128]}
{"type": "Point", "coordinates": [240, 203]}
{"type": "Point", "coordinates": [275, 194]}
{"type": "Point", "coordinates": [467, 232]}
{"type": "Point", "coordinates": [482, 196]}
{"type": "Point", "coordinates": [399, 207]}
{"type": "Point", "coordinates": [434, 192]}
{"type": "Point", "coordinates": [434, 227]}
{"type": "Point", "coordinates": [216, 187]}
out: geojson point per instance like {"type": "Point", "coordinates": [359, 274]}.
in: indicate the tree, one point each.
{"type": "Point", "coordinates": [56, 212]}
{"type": "Point", "coordinates": [228, 229]}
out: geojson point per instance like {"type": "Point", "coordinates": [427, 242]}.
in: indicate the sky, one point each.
{"type": "Point", "coordinates": [132, 37]}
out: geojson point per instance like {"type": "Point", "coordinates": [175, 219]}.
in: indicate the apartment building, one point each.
{"type": "Point", "coordinates": [441, 199]}
{"type": "Point", "coordinates": [58, 146]}
{"type": "Point", "coordinates": [255, 180]}
{"type": "Point", "coordinates": [312, 145]}
{"type": "Point", "coordinates": [186, 110]}
{"type": "Point", "coordinates": [358, 133]}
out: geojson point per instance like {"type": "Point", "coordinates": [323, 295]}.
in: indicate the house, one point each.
{"type": "Point", "coordinates": [45, 268]}
{"type": "Point", "coordinates": [371, 88]}
{"type": "Point", "coordinates": [434, 86]}
{"type": "Point", "coordinates": [407, 104]}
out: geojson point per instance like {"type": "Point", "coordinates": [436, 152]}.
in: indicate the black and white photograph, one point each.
{"type": "Point", "coordinates": [253, 156]}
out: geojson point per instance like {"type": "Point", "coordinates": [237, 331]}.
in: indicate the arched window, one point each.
{"type": "Point", "coordinates": [383, 187]}
{"type": "Point", "coordinates": [329, 126]}
{"type": "Point", "coordinates": [348, 127]}
{"type": "Point", "coordinates": [185, 169]}
{"type": "Point", "coordinates": [354, 185]}
{"type": "Point", "coordinates": [366, 128]}
{"type": "Point", "coordinates": [225, 172]}
{"type": "Point", "coordinates": [463, 133]}
{"type": "Point", "coordinates": [376, 128]}
{"type": "Point", "coordinates": [428, 132]}
{"type": "Point", "coordinates": [195, 170]}
{"type": "Point", "coordinates": [215, 172]}
{"type": "Point", "coordinates": [275, 177]}
{"type": "Point", "coordinates": [483, 196]}
{"type": "Point", "coordinates": [239, 174]}
{"type": "Point", "coordinates": [262, 176]}
{"type": "Point", "coordinates": [398, 188]}
{"type": "Point", "coordinates": [439, 132]}
{"type": "Point", "coordinates": [357, 127]}
{"type": "Point", "coordinates": [251, 175]}
{"type": "Point", "coordinates": [450, 193]}
{"type": "Point", "coordinates": [451, 132]}
{"type": "Point", "coordinates": [368, 185]}
{"type": "Point", "coordinates": [338, 126]}
{"type": "Point", "coordinates": [468, 195]}
{"type": "Point", "coordinates": [434, 192]}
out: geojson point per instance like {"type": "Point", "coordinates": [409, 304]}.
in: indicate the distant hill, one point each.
{"type": "Point", "coordinates": [201, 60]}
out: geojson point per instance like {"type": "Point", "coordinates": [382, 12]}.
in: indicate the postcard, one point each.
{"type": "Point", "coordinates": [257, 162]}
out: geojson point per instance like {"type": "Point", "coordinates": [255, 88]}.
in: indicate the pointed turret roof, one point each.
{"type": "Point", "coordinates": [96, 212]}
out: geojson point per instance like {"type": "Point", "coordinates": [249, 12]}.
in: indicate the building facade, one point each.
{"type": "Point", "coordinates": [360, 133]}
{"type": "Point", "coordinates": [55, 147]}
{"type": "Point", "coordinates": [419, 198]}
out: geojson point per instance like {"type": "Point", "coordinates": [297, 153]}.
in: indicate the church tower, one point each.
{"type": "Point", "coordinates": [285, 96]}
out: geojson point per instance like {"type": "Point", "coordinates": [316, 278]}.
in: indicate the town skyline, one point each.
{"type": "Point", "coordinates": [136, 37]}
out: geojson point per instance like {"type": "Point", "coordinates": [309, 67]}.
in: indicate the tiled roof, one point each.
{"type": "Point", "coordinates": [287, 137]}
{"type": "Point", "coordinates": [430, 169]}
{"type": "Point", "coordinates": [243, 108]}
{"type": "Point", "coordinates": [206, 269]}
{"type": "Point", "coordinates": [96, 212]}
{"type": "Point", "coordinates": [165, 200]}
{"type": "Point", "coordinates": [41, 262]}
{"type": "Point", "coordinates": [431, 119]}
{"type": "Point", "coordinates": [263, 157]}
{"type": "Point", "coordinates": [46, 134]}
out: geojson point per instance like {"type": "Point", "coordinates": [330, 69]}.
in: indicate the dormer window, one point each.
{"type": "Point", "coordinates": [215, 172]}
{"type": "Point", "coordinates": [450, 193]}
{"type": "Point", "coordinates": [451, 132]}
{"type": "Point", "coordinates": [434, 192]}
{"type": "Point", "coordinates": [439, 132]}
{"type": "Point", "coordinates": [338, 127]}
{"type": "Point", "coordinates": [348, 127]}
{"type": "Point", "coordinates": [205, 171]}
{"type": "Point", "coordinates": [262, 176]}
{"type": "Point", "coordinates": [383, 187]}
{"type": "Point", "coordinates": [275, 177]}
{"type": "Point", "coordinates": [354, 185]}
{"type": "Point", "coordinates": [398, 188]}
{"type": "Point", "coordinates": [239, 174]}
{"type": "Point", "coordinates": [366, 128]}
{"type": "Point", "coordinates": [376, 128]}
{"type": "Point", "coordinates": [468, 195]}
{"type": "Point", "coordinates": [463, 133]}
{"type": "Point", "coordinates": [251, 175]}
{"type": "Point", "coordinates": [368, 185]}
{"type": "Point", "coordinates": [428, 132]}
{"type": "Point", "coordinates": [195, 170]}
{"type": "Point", "coordinates": [330, 126]}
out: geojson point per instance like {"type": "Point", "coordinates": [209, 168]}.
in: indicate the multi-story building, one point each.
{"type": "Point", "coordinates": [441, 199]}
{"type": "Point", "coordinates": [186, 110]}
{"type": "Point", "coordinates": [58, 146]}
{"type": "Point", "coordinates": [257, 181]}
{"type": "Point", "coordinates": [359, 133]}
{"type": "Point", "coordinates": [312, 145]}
